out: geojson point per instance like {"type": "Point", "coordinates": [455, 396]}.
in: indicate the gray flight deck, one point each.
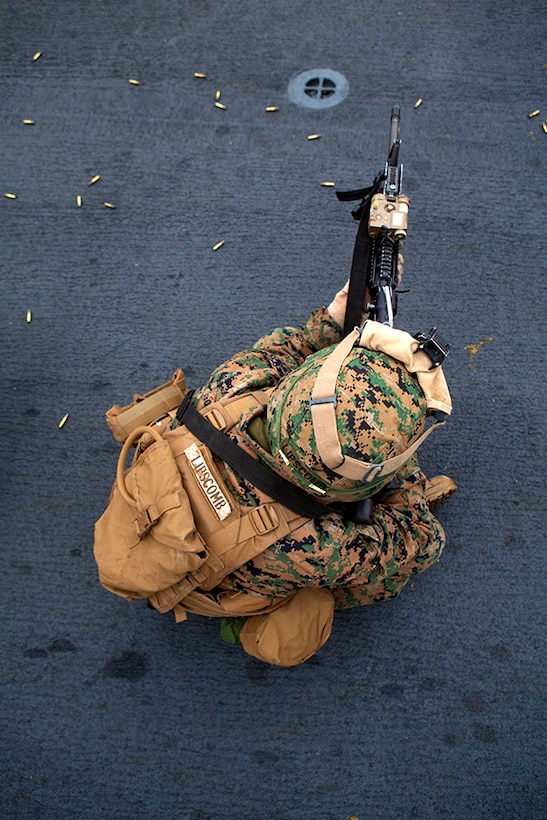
{"type": "Point", "coordinates": [431, 705]}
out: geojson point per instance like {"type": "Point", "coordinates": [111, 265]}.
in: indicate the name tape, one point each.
{"type": "Point", "coordinates": [207, 482]}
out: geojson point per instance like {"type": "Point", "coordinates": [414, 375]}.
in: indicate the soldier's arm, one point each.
{"type": "Point", "coordinates": [292, 345]}
{"type": "Point", "coordinates": [271, 358]}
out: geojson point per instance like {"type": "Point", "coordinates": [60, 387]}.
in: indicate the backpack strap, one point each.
{"type": "Point", "coordinates": [226, 413]}
{"type": "Point", "coordinates": [259, 474]}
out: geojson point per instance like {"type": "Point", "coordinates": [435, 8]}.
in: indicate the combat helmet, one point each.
{"type": "Point", "coordinates": [343, 423]}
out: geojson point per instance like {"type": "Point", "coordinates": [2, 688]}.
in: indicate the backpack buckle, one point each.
{"type": "Point", "coordinates": [263, 519]}
{"type": "Point", "coordinates": [215, 417]}
{"type": "Point", "coordinates": [144, 523]}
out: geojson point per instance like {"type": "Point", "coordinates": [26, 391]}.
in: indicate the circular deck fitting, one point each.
{"type": "Point", "coordinates": [318, 88]}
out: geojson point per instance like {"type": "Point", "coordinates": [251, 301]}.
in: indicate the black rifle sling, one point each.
{"type": "Point", "coordinates": [358, 275]}
{"type": "Point", "coordinates": [361, 252]}
{"type": "Point", "coordinates": [265, 479]}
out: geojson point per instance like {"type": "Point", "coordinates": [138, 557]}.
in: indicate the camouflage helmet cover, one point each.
{"type": "Point", "coordinates": [380, 409]}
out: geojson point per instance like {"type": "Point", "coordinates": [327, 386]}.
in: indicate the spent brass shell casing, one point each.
{"type": "Point", "coordinates": [314, 136]}
{"type": "Point", "coordinates": [29, 317]}
{"type": "Point", "coordinates": [220, 105]}
{"type": "Point", "coordinates": [29, 122]}
{"type": "Point", "coordinates": [134, 82]}
{"type": "Point", "coordinates": [79, 201]}
{"type": "Point", "coordinates": [534, 113]}
{"type": "Point", "coordinates": [218, 245]}
{"type": "Point", "coordinates": [64, 420]}
{"type": "Point", "coordinates": [10, 196]}
{"type": "Point", "coordinates": [217, 96]}
{"type": "Point", "coordinates": [94, 179]}
{"type": "Point", "coordinates": [271, 108]}
{"type": "Point", "coordinates": [37, 56]}
{"type": "Point", "coordinates": [418, 103]}
{"type": "Point", "coordinates": [199, 75]}
{"type": "Point", "coordinates": [108, 205]}
{"type": "Point", "coordinates": [328, 184]}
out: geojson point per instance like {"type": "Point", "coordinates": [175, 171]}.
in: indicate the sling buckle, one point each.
{"type": "Point", "coordinates": [434, 345]}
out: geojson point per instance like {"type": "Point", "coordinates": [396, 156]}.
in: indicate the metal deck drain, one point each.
{"type": "Point", "coordinates": [318, 88]}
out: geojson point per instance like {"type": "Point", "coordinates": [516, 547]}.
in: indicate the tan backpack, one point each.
{"type": "Point", "coordinates": [171, 525]}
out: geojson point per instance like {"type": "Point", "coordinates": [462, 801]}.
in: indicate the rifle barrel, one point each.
{"type": "Point", "coordinates": [394, 130]}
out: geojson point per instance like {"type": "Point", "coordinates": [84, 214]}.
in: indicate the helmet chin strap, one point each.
{"type": "Point", "coordinates": [399, 345]}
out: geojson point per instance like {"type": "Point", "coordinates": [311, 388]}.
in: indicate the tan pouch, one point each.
{"type": "Point", "coordinates": [292, 633]}
{"type": "Point", "coordinates": [147, 409]}
{"type": "Point", "coordinates": [146, 541]}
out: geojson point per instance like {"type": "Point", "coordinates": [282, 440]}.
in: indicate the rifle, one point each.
{"type": "Point", "coordinates": [382, 215]}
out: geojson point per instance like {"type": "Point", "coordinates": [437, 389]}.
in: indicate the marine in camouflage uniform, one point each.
{"type": "Point", "coordinates": [359, 562]}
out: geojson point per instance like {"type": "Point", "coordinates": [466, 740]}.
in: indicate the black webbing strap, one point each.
{"type": "Point", "coordinates": [361, 252]}
{"type": "Point", "coordinates": [358, 274]}
{"type": "Point", "coordinates": [274, 485]}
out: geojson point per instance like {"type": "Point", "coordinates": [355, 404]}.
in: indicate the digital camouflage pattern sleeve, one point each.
{"type": "Point", "coordinates": [271, 358]}
{"type": "Point", "coordinates": [360, 563]}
